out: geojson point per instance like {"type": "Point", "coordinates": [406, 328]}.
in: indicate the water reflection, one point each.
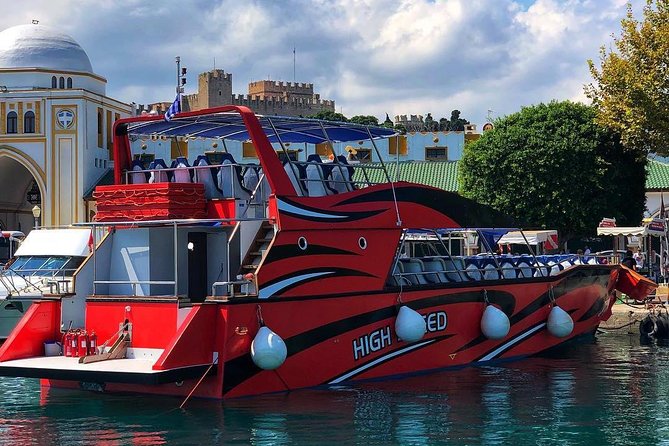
{"type": "Point", "coordinates": [615, 392]}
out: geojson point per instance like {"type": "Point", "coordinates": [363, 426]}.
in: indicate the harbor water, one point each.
{"type": "Point", "coordinates": [610, 391]}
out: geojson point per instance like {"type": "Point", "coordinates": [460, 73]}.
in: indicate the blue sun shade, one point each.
{"type": "Point", "coordinates": [231, 126]}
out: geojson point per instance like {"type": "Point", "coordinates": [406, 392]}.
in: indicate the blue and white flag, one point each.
{"type": "Point", "coordinates": [174, 109]}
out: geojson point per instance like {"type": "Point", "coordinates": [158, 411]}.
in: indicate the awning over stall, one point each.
{"type": "Point", "coordinates": [638, 231]}
{"type": "Point", "coordinates": [533, 238]}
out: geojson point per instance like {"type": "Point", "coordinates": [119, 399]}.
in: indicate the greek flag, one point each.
{"type": "Point", "coordinates": [174, 109]}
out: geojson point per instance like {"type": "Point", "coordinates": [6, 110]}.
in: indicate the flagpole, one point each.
{"type": "Point", "coordinates": [178, 61]}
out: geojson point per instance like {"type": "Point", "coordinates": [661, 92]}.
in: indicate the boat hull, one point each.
{"type": "Point", "coordinates": [335, 339]}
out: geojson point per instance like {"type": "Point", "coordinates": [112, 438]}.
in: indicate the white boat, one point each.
{"type": "Point", "coordinates": [42, 266]}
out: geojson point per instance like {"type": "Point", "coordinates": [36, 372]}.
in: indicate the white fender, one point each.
{"type": "Point", "coordinates": [494, 323]}
{"type": "Point", "coordinates": [409, 325]}
{"type": "Point", "coordinates": [559, 324]}
{"type": "Point", "coordinates": [268, 350]}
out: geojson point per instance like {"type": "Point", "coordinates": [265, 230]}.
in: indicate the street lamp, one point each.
{"type": "Point", "coordinates": [36, 213]}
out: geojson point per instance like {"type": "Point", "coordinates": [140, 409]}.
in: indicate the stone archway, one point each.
{"type": "Point", "coordinates": [17, 176]}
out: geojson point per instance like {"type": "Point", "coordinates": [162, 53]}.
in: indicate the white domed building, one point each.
{"type": "Point", "coordinates": [55, 127]}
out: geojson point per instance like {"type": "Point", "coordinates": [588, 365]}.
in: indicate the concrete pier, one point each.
{"type": "Point", "coordinates": [625, 318]}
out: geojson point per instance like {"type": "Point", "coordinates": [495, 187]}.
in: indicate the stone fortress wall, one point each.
{"type": "Point", "coordinates": [264, 97]}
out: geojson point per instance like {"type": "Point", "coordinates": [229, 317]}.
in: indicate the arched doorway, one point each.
{"type": "Point", "coordinates": [17, 186]}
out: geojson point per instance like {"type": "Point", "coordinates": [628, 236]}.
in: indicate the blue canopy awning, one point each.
{"type": "Point", "coordinates": [231, 126]}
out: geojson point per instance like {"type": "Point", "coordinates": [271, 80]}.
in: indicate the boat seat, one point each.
{"type": "Point", "coordinates": [436, 265]}
{"type": "Point", "coordinates": [454, 268]}
{"type": "Point", "coordinates": [251, 179]}
{"type": "Point", "coordinates": [490, 272]}
{"type": "Point", "coordinates": [293, 172]}
{"type": "Point", "coordinates": [315, 177]}
{"type": "Point", "coordinates": [508, 270]}
{"type": "Point", "coordinates": [157, 175]}
{"type": "Point", "coordinates": [138, 177]}
{"type": "Point", "coordinates": [524, 269]}
{"type": "Point", "coordinates": [182, 174]}
{"type": "Point", "coordinates": [398, 279]}
{"type": "Point", "coordinates": [207, 177]}
{"type": "Point", "coordinates": [566, 264]}
{"type": "Point", "coordinates": [541, 270]}
{"type": "Point", "coordinates": [230, 179]}
{"type": "Point", "coordinates": [341, 175]}
{"type": "Point", "coordinates": [414, 271]}
{"type": "Point", "coordinates": [473, 272]}
{"type": "Point", "coordinates": [554, 268]}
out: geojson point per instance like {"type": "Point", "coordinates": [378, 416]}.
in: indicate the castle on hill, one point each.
{"type": "Point", "coordinates": [214, 89]}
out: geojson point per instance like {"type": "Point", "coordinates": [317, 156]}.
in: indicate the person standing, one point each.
{"type": "Point", "coordinates": [629, 261]}
{"type": "Point", "coordinates": [639, 259]}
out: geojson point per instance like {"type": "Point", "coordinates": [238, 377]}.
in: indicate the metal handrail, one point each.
{"type": "Point", "coordinates": [465, 273]}
{"type": "Point", "coordinates": [134, 283]}
{"type": "Point", "coordinates": [230, 287]}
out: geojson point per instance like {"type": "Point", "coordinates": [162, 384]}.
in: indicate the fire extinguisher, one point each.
{"type": "Point", "coordinates": [82, 343]}
{"type": "Point", "coordinates": [74, 344]}
{"type": "Point", "coordinates": [93, 344]}
{"type": "Point", "coordinates": [67, 343]}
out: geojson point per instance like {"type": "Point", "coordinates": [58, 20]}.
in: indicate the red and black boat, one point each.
{"type": "Point", "coordinates": [224, 279]}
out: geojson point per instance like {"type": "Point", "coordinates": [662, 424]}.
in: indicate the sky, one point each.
{"type": "Point", "coordinates": [371, 57]}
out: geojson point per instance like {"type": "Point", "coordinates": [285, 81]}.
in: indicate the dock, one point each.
{"type": "Point", "coordinates": [625, 318]}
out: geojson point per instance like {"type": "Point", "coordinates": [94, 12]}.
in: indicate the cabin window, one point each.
{"type": "Point", "coordinates": [29, 122]}
{"type": "Point", "coordinates": [100, 127]}
{"type": "Point", "coordinates": [69, 82]}
{"type": "Point", "coordinates": [436, 153]}
{"type": "Point", "coordinates": [12, 122]}
{"type": "Point", "coordinates": [61, 83]}
{"type": "Point", "coordinates": [397, 143]}
{"type": "Point", "coordinates": [324, 149]}
{"type": "Point", "coordinates": [54, 82]}
{"type": "Point", "coordinates": [292, 155]}
{"type": "Point", "coordinates": [364, 155]}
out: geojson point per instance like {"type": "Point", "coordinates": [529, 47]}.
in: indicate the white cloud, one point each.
{"type": "Point", "coordinates": [371, 56]}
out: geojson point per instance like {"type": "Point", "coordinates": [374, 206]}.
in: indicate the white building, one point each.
{"type": "Point", "coordinates": [55, 127]}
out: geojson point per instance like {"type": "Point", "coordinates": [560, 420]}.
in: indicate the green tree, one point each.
{"type": "Point", "coordinates": [457, 123]}
{"type": "Point", "coordinates": [631, 88]}
{"type": "Point", "coordinates": [552, 166]}
{"type": "Point", "coordinates": [365, 120]}
{"type": "Point", "coordinates": [330, 115]}
{"type": "Point", "coordinates": [388, 123]}
{"type": "Point", "coordinates": [400, 129]}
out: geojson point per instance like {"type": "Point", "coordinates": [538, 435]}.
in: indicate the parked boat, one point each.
{"type": "Point", "coordinates": [228, 280]}
{"type": "Point", "coordinates": [42, 266]}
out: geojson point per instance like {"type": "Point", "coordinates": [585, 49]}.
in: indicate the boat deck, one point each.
{"type": "Point", "coordinates": [138, 371]}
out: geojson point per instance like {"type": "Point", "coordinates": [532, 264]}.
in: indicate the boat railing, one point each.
{"type": "Point", "coordinates": [330, 178]}
{"type": "Point", "coordinates": [245, 287]}
{"type": "Point", "coordinates": [413, 271]}
{"type": "Point", "coordinates": [36, 278]}
{"type": "Point", "coordinates": [337, 177]}
{"type": "Point", "coordinates": [227, 178]}
{"type": "Point", "coordinates": [133, 283]}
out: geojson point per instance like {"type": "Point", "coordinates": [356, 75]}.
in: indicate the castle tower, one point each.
{"type": "Point", "coordinates": [214, 89]}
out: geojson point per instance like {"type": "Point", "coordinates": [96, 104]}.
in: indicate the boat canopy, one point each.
{"type": "Point", "coordinates": [56, 242]}
{"type": "Point", "coordinates": [638, 231]}
{"type": "Point", "coordinates": [230, 125]}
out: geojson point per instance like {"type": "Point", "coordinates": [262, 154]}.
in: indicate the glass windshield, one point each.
{"type": "Point", "coordinates": [46, 265]}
